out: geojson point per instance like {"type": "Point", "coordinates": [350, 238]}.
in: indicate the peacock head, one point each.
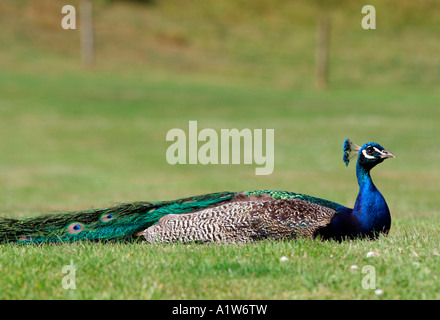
{"type": "Point", "coordinates": [369, 155]}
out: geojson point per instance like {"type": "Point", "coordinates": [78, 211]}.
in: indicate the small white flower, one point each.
{"type": "Point", "coordinates": [378, 292]}
{"type": "Point", "coordinates": [331, 256]}
{"type": "Point", "coordinates": [354, 267]}
{"type": "Point", "coordinates": [372, 254]}
{"type": "Point", "coordinates": [284, 259]}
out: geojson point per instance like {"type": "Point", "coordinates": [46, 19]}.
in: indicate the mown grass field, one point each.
{"type": "Point", "coordinates": [67, 151]}
{"type": "Point", "coordinates": [73, 139]}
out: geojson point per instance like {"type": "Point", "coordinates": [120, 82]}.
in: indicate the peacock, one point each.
{"type": "Point", "coordinates": [222, 217]}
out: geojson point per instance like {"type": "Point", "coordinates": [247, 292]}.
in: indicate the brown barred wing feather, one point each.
{"type": "Point", "coordinates": [242, 221]}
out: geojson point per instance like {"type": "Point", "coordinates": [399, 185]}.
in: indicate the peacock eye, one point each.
{"type": "Point", "coordinates": [370, 151]}
{"type": "Point", "coordinates": [75, 228]}
{"type": "Point", "coordinates": [25, 238]}
{"type": "Point", "coordinates": [107, 217]}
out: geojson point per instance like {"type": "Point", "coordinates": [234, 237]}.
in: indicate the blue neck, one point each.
{"type": "Point", "coordinates": [370, 210]}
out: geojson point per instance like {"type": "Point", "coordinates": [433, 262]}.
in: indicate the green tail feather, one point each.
{"type": "Point", "coordinates": [116, 223]}
{"type": "Point", "coordinates": [298, 196]}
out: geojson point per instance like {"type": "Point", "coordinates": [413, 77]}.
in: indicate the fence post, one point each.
{"type": "Point", "coordinates": [87, 33]}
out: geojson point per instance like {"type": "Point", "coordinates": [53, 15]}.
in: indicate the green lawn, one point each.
{"type": "Point", "coordinates": [72, 139]}
{"type": "Point", "coordinates": [407, 268]}
{"type": "Point", "coordinates": [68, 144]}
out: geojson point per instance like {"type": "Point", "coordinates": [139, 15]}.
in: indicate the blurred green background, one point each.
{"type": "Point", "coordinates": [73, 137]}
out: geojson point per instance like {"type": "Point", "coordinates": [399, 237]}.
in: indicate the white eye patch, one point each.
{"type": "Point", "coordinates": [364, 152]}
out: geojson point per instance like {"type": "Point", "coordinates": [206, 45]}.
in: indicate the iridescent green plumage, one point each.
{"type": "Point", "coordinates": [295, 196]}
{"type": "Point", "coordinates": [115, 223]}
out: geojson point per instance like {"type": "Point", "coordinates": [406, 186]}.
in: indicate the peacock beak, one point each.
{"type": "Point", "coordinates": [386, 154]}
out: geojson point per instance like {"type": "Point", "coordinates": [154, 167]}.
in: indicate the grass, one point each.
{"type": "Point", "coordinates": [73, 139]}
{"type": "Point", "coordinates": [88, 151]}
{"type": "Point", "coordinates": [406, 267]}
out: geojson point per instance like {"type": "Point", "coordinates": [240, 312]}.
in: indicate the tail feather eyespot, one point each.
{"type": "Point", "coordinates": [25, 238]}
{"type": "Point", "coordinates": [75, 228]}
{"type": "Point", "coordinates": [106, 217]}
